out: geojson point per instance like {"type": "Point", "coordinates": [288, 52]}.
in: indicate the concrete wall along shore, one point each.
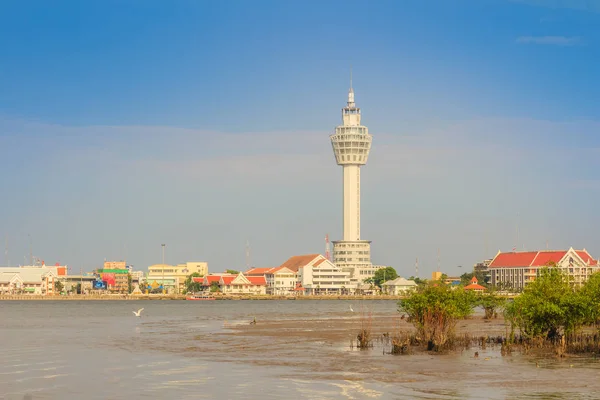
{"type": "Point", "coordinates": [183, 297]}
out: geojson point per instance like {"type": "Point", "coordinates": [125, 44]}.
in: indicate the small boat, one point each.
{"type": "Point", "coordinates": [200, 297]}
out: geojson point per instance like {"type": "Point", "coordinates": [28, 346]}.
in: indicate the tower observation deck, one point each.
{"type": "Point", "coordinates": [351, 144]}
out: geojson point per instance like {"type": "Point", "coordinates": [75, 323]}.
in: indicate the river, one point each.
{"type": "Point", "coordinates": [209, 350]}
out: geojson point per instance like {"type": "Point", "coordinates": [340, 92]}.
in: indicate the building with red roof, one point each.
{"type": "Point", "coordinates": [240, 284]}
{"type": "Point", "coordinates": [308, 273]}
{"type": "Point", "coordinates": [517, 269]}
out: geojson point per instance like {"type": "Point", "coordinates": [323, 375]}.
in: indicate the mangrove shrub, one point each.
{"type": "Point", "coordinates": [434, 311]}
{"type": "Point", "coordinates": [548, 307]}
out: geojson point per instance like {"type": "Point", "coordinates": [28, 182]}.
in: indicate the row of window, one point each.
{"type": "Point", "coordinates": [351, 132]}
{"type": "Point", "coordinates": [351, 151]}
{"type": "Point", "coordinates": [351, 245]}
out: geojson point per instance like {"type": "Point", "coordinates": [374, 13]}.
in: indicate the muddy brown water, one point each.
{"type": "Point", "coordinates": [296, 349]}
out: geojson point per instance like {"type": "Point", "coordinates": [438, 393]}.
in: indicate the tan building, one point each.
{"type": "Point", "coordinates": [114, 265]}
{"type": "Point", "coordinates": [436, 276]}
{"type": "Point", "coordinates": [172, 277]}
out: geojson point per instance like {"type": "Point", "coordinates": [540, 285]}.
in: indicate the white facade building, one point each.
{"type": "Point", "coordinates": [351, 145]}
{"type": "Point", "coordinates": [323, 277]}
{"type": "Point", "coordinates": [28, 279]}
{"type": "Point", "coordinates": [398, 286]}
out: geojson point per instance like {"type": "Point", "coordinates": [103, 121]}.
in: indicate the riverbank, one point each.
{"type": "Point", "coordinates": [122, 297]}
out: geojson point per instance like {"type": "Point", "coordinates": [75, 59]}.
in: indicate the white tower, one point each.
{"type": "Point", "coordinates": [351, 145]}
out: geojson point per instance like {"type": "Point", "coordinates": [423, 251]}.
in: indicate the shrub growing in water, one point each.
{"type": "Point", "coordinates": [548, 307]}
{"type": "Point", "coordinates": [434, 311]}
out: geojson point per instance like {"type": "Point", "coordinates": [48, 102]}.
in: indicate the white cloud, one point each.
{"type": "Point", "coordinates": [581, 5]}
{"type": "Point", "coordinates": [551, 40]}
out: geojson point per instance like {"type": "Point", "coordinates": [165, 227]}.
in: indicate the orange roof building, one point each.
{"type": "Point", "coordinates": [516, 269]}
{"type": "Point", "coordinates": [475, 286]}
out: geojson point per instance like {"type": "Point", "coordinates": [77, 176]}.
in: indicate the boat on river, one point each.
{"type": "Point", "coordinates": [200, 297]}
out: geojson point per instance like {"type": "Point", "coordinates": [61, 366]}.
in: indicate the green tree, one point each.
{"type": "Point", "coordinates": [214, 287]}
{"type": "Point", "coordinates": [434, 311]}
{"type": "Point", "coordinates": [418, 280]}
{"type": "Point", "coordinates": [548, 306]}
{"type": "Point", "coordinates": [384, 274]}
{"type": "Point", "coordinates": [190, 285]}
{"type": "Point", "coordinates": [58, 286]}
{"type": "Point", "coordinates": [78, 288]}
{"type": "Point", "coordinates": [589, 295]}
{"type": "Point", "coordinates": [232, 271]}
{"type": "Point", "coordinates": [129, 283]}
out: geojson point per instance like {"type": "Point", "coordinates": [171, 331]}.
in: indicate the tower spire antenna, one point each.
{"type": "Point", "coordinates": [351, 92]}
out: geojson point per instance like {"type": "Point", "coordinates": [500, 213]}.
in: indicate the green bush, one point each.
{"type": "Point", "coordinates": [434, 311]}
{"type": "Point", "coordinates": [549, 306]}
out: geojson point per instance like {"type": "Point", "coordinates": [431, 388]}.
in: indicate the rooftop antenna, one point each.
{"type": "Point", "coordinates": [487, 250]}
{"type": "Point", "coordinates": [517, 243]}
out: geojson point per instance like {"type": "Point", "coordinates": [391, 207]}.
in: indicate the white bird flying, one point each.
{"type": "Point", "coordinates": [138, 313]}
{"type": "Point", "coordinates": [351, 309]}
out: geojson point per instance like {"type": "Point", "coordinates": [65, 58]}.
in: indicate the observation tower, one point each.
{"type": "Point", "coordinates": [351, 144]}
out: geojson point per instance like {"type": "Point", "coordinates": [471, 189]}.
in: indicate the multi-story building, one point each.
{"type": "Point", "coordinates": [116, 265]}
{"type": "Point", "coordinates": [483, 267]}
{"type": "Point", "coordinates": [321, 276]}
{"type": "Point", "coordinates": [172, 277]}
{"type": "Point", "coordinates": [514, 270]}
{"type": "Point", "coordinates": [312, 273]}
{"type": "Point", "coordinates": [117, 279]}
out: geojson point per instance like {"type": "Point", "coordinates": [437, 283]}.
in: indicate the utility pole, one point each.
{"type": "Point", "coordinates": [6, 251]}
{"type": "Point", "coordinates": [163, 267]}
{"type": "Point", "coordinates": [30, 251]}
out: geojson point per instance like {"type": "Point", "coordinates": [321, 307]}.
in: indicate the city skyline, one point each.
{"type": "Point", "coordinates": [127, 125]}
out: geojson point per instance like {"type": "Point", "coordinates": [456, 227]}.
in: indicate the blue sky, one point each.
{"type": "Point", "coordinates": [127, 124]}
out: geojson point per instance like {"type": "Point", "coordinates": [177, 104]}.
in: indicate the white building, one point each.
{"type": "Point", "coordinates": [240, 284]}
{"type": "Point", "coordinates": [310, 274]}
{"type": "Point", "coordinates": [28, 279]}
{"type": "Point", "coordinates": [351, 145]}
{"type": "Point", "coordinates": [398, 286]}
